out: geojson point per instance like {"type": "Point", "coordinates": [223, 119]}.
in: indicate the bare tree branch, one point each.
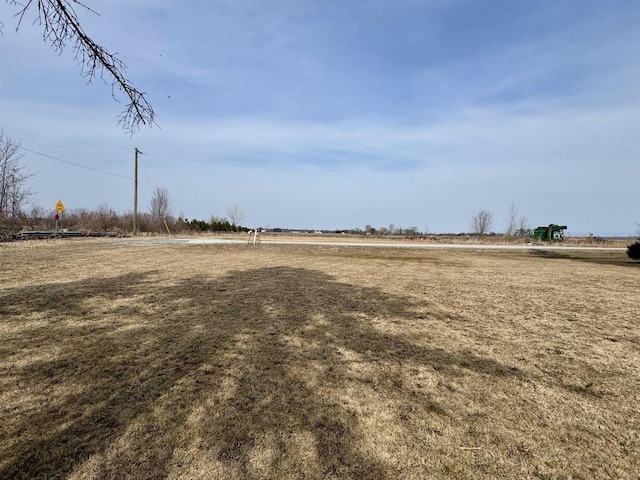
{"type": "Point", "coordinates": [62, 26]}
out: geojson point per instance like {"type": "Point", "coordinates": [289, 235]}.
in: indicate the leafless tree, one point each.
{"type": "Point", "coordinates": [517, 226]}
{"type": "Point", "coordinates": [235, 215]}
{"type": "Point", "coordinates": [524, 229]}
{"type": "Point", "coordinates": [61, 27]}
{"type": "Point", "coordinates": [15, 193]}
{"type": "Point", "coordinates": [512, 224]}
{"type": "Point", "coordinates": [160, 207]}
{"type": "Point", "coordinates": [482, 222]}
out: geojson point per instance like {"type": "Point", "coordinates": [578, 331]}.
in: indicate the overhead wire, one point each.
{"type": "Point", "coordinates": [75, 164]}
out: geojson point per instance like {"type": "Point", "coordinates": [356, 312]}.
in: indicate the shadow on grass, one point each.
{"type": "Point", "coordinates": [597, 257]}
{"type": "Point", "coordinates": [240, 373]}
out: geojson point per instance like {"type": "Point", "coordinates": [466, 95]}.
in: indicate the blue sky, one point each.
{"type": "Point", "coordinates": [342, 113]}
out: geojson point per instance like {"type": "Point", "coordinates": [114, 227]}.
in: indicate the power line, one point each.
{"type": "Point", "coordinates": [74, 164]}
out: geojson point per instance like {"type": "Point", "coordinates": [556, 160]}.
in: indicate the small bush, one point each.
{"type": "Point", "coordinates": [633, 251]}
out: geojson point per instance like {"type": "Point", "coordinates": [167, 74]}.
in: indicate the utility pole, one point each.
{"type": "Point", "coordinates": [135, 196]}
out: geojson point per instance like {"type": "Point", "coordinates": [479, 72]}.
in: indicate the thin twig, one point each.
{"type": "Point", "coordinates": [61, 25]}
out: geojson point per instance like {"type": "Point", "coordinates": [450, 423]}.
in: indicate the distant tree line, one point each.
{"type": "Point", "coordinates": [106, 219]}
{"type": "Point", "coordinates": [215, 224]}
{"type": "Point", "coordinates": [101, 219]}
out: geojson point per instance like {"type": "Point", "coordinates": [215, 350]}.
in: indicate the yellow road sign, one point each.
{"type": "Point", "coordinates": [59, 207]}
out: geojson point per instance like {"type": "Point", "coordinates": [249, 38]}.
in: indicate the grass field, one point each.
{"type": "Point", "coordinates": [274, 361]}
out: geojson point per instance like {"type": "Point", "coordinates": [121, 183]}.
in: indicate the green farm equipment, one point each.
{"type": "Point", "coordinates": [552, 232]}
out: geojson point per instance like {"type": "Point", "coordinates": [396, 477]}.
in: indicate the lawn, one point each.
{"type": "Point", "coordinates": [296, 361]}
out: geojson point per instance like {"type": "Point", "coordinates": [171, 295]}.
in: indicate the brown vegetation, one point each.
{"type": "Point", "coordinates": [241, 362]}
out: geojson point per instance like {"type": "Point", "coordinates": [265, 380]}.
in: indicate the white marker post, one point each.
{"type": "Point", "coordinates": [256, 236]}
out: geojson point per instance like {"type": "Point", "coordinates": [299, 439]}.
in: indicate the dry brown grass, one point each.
{"type": "Point", "coordinates": [242, 362]}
